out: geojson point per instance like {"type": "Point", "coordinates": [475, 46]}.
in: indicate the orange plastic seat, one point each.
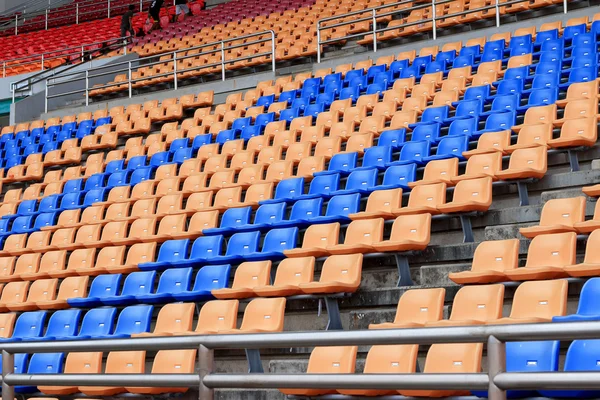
{"type": "Point", "coordinates": [577, 132]}
{"type": "Point", "coordinates": [424, 199]}
{"type": "Point", "coordinates": [317, 239]}
{"type": "Point", "coordinates": [526, 163]}
{"type": "Point", "coordinates": [438, 171]}
{"type": "Point", "coordinates": [449, 358]}
{"type": "Point", "coordinates": [40, 290]}
{"type": "Point", "coordinates": [470, 195]}
{"type": "Point", "coordinates": [169, 362]}
{"type": "Point", "coordinates": [490, 142]}
{"type": "Point", "coordinates": [327, 360]}
{"type": "Point", "coordinates": [547, 256]}
{"type": "Point", "coordinates": [76, 363]}
{"type": "Point", "coordinates": [409, 232]}
{"type": "Point", "coordinates": [261, 316]}
{"type": "Point", "coordinates": [558, 215]}
{"type": "Point", "coordinates": [247, 276]}
{"type": "Point", "coordinates": [13, 293]}
{"type": "Point", "coordinates": [25, 264]}
{"type": "Point", "coordinates": [118, 362]}
{"type": "Point", "coordinates": [172, 318]}
{"type": "Point", "coordinates": [474, 305]}
{"type": "Point", "coordinates": [380, 204]}
{"type": "Point", "coordinates": [532, 135]}
{"type": "Point", "coordinates": [415, 308]}
{"type": "Point", "coordinates": [591, 262]}
{"type": "Point", "coordinates": [215, 316]}
{"type": "Point", "coordinates": [490, 261]}
{"type": "Point", "coordinates": [590, 225]}
{"type": "Point", "coordinates": [291, 272]}
{"type": "Point", "coordinates": [386, 359]}
{"type": "Point", "coordinates": [72, 287]}
{"type": "Point", "coordinates": [360, 236]}
{"type": "Point", "coordinates": [340, 273]}
{"type": "Point", "coordinates": [7, 323]}
{"type": "Point", "coordinates": [481, 166]}
{"type": "Point", "coordinates": [537, 301]}
{"type": "Point", "coordinates": [137, 254]}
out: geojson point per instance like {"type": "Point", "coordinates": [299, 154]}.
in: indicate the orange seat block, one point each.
{"type": "Point", "coordinates": [247, 276]}
{"type": "Point", "coordinates": [558, 215]}
{"type": "Point", "coordinates": [340, 273]}
{"type": "Point", "coordinates": [291, 272]}
{"type": "Point", "coordinates": [490, 261]}
{"type": "Point", "coordinates": [415, 308]}
{"type": "Point", "coordinates": [591, 261]}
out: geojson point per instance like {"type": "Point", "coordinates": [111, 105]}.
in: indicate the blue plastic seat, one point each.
{"type": "Point", "coordinates": [137, 162]}
{"type": "Point", "coordinates": [435, 114]}
{"type": "Point", "coordinates": [73, 186]}
{"type": "Point", "coordinates": [303, 211]}
{"type": "Point", "coordinates": [102, 286]}
{"type": "Point", "coordinates": [63, 323]}
{"type": "Point", "coordinates": [29, 325]}
{"type": "Point", "coordinates": [507, 102]}
{"type": "Point", "coordinates": [436, 66]}
{"type": "Point", "coordinates": [133, 319]}
{"type": "Point", "coordinates": [398, 176]}
{"type": "Point", "coordinates": [43, 363]}
{"type": "Point", "coordinates": [263, 119]}
{"type": "Point", "coordinates": [462, 127]}
{"type": "Point", "coordinates": [287, 190]}
{"type": "Point", "coordinates": [173, 280]}
{"type": "Point", "coordinates": [97, 322]}
{"type": "Point", "coordinates": [136, 283]}
{"type": "Point", "coordinates": [266, 216]}
{"type": "Point", "coordinates": [359, 82]}
{"type": "Point", "coordinates": [588, 308]}
{"type": "Point", "coordinates": [241, 123]}
{"type": "Point", "coordinates": [27, 207]}
{"type": "Point", "coordinates": [410, 72]}
{"type": "Point", "coordinates": [474, 51]}
{"type": "Point", "coordinates": [355, 73]}
{"type": "Point", "coordinates": [397, 66]}
{"type": "Point", "coordinates": [251, 131]}
{"type": "Point", "coordinates": [582, 75]}
{"type": "Point", "coordinates": [376, 157]}
{"type": "Point", "coordinates": [376, 88]}
{"type": "Point", "coordinates": [227, 135]}
{"type": "Point", "coordinates": [351, 92]}
{"type": "Point", "coordinates": [510, 86]}
{"type": "Point", "coordinates": [463, 60]}
{"type": "Point", "coordinates": [548, 67]}
{"type": "Point", "coordinates": [341, 163]}
{"type": "Point", "coordinates": [373, 71]}
{"type": "Point", "coordinates": [178, 144]}
{"type": "Point", "coordinates": [140, 175]}
{"type": "Point", "coordinates": [95, 196]}
{"type": "Point", "coordinates": [21, 360]}
{"type": "Point", "coordinates": [22, 224]}
{"type": "Point", "coordinates": [338, 209]}
{"type": "Point", "coordinates": [583, 355]}
{"type": "Point", "coordinates": [384, 79]}
{"type": "Point", "coordinates": [517, 73]}
{"type": "Point", "coordinates": [540, 356]}
{"type": "Point", "coordinates": [468, 109]}
{"type": "Point", "coordinates": [160, 158]}
{"type": "Point", "coordinates": [543, 36]}
{"type": "Point", "coordinates": [4, 226]}
{"type": "Point", "coordinates": [170, 251]}
{"type": "Point", "coordinates": [181, 155]}
{"type": "Point", "coordinates": [231, 219]}
{"type": "Point", "coordinates": [204, 249]}
{"type": "Point", "coordinates": [314, 110]}
{"type": "Point", "coordinates": [200, 141]}
{"type": "Point", "coordinates": [95, 181]}
{"type": "Point", "coordinates": [300, 103]}
{"type": "Point", "coordinates": [500, 121]}
{"type": "Point", "coordinates": [360, 181]}
{"type": "Point", "coordinates": [477, 93]}
{"type": "Point", "coordinates": [553, 45]}
{"type": "Point", "coordinates": [265, 101]}
{"type": "Point", "coordinates": [541, 97]}
{"type": "Point", "coordinates": [276, 241]}
{"type": "Point", "coordinates": [450, 147]}
{"type": "Point", "coordinates": [393, 138]}
{"type": "Point", "coordinates": [208, 278]}
{"type": "Point", "coordinates": [421, 62]}
{"type": "Point", "coordinates": [288, 96]}
{"type": "Point", "coordinates": [584, 61]}
{"type": "Point", "coordinates": [49, 146]}
{"type": "Point", "coordinates": [71, 201]}
{"type": "Point", "coordinates": [50, 203]}
{"type": "Point", "coordinates": [413, 152]}
{"type": "Point", "coordinates": [45, 219]}
{"type": "Point", "coordinates": [239, 245]}
{"type": "Point", "coordinates": [309, 91]}
{"type": "Point", "coordinates": [329, 96]}
{"type": "Point", "coordinates": [579, 37]}
{"type": "Point", "coordinates": [429, 132]}
{"type": "Point", "coordinates": [322, 186]}
{"type": "Point", "coordinates": [289, 114]}
{"type": "Point", "coordinates": [120, 178]}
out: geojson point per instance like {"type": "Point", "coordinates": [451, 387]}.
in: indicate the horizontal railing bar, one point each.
{"type": "Point", "coordinates": [465, 334]}
{"type": "Point", "coordinates": [350, 381]}
{"type": "Point", "coordinates": [147, 380]}
{"type": "Point", "coordinates": [548, 380]}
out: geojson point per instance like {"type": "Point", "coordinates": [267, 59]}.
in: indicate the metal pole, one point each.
{"type": "Point", "coordinates": [46, 98]}
{"type": "Point", "coordinates": [374, 32]}
{"type": "Point", "coordinates": [273, 50]}
{"type": "Point", "coordinates": [433, 19]}
{"type": "Point", "coordinates": [565, 6]}
{"type": "Point", "coordinates": [77, 13]}
{"type": "Point", "coordinates": [46, 19]}
{"type": "Point", "coordinates": [4, 69]}
{"type": "Point", "coordinates": [129, 72]}
{"type": "Point", "coordinates": [87, 86]}
{"type": "Point", "coordinates": [8, 367]}
{"type": "Point", "coordinates": [16, 24]}
{"type": "Point", "coordinates": [108, 9]}
{"type": "Point", "coordinates": [497, 15]}
{"type": "Point", "coordinates": [318, 42]}
{"type": "Point", "coordinates": [175, 69]}
{"type": "Point", "coordinates": [141, 5]}
{"type": "Point", "coordinates": [496, 351]}
{"type": "Point", "coordinates": [82, 54]}
{"type": "Point", "coordinates": [206, 363]}
{"type": "Point", "coordinates": [42, 61]}
{"type": "Point", "coordinates": [222, 60]}
{"type": "Point", "coordinates": [13, 89]}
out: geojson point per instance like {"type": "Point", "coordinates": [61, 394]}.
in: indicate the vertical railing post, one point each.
{"type": "Point", "coordinates": [497, 15]}
{"type": "Point", "coordinates": [273, 50]}
{"type": "Point", "coordinates": [206, 363]}
{"type": "Point", "coordinates": [4, 69]}
{"type": "Point", "coordinates": [141, 5]}
{"type": "Point", "coordinates": [16, 24]}
{"type": "Point", "coordinates": [87, 87]}
{"type": "Point", "coordinates": [433, 15]}
{"type": "Point", "coordinates": [565, 6]}
{"type": "Point", "coordinates": [496, 352]}
{"type": "Point", "coordinates": [46, 98]}
{"type": "Point", "coordinates": [42, 61]}
{"type": "Point", "coordinates": [175, 69]}
{"type": "Point", "coordinates": [8, 367]}
{"type": "Point", "coordinates": [129, 78]}
{"type": "Point", "coordinates": [46, 19]}
{"type": "Point", "coordinates": [108, 9]}
{"type": "Point", "coordinates": [82, 54]}
{"type": "Point", "coordinates": [223, 60]}
{"type": "Point", "coordinates": [77, 13]}
{"type": "Point", "coordinates": [318, 42]}
{"type": "Point", "coordinates": [374, 32]}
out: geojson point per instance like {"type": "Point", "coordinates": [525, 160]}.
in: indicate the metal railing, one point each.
{"type": "Point", "coordinates": [92, 73]}
{"type": "Point", "coordinates": [496, 380]}
{"type": "Point", "coordinates": [75, 53]}
{"type": "Point", "coordinates": [68, 14]}
{"type": "Point", "coordinates": [374, 15]}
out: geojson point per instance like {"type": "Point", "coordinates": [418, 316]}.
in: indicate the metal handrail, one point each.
{"type": "Point", "coordinates": [496, 380]}
{"type": "Point", "coordinates": [374, 16]}
{"type": "Point", "coordinates": [89, 73]}
{"type": "Point", "coordinates": [43, 57]}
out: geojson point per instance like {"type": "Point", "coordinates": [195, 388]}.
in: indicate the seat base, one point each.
{"type": "Point", "coordinates": [583, 269]}
{"type": "Point", "coordinates": [534, 231]}
{"type": "Point", "coordinates": [537, 273]}
{"type": "Point", "coordinates": [482, 277]}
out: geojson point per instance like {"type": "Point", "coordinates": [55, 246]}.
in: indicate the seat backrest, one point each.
{"type": "Point", "coordinates": [294, 271]}
{"type": "Point", "coordinates": [81, 258]}
{"type": "Point", "coordinates": [384, 200]}
{"type": "Point", "coordinates": [542, 299]}
{"type": "Point", "coordinates": [105, 285]}
{"type": "Point", "coordinates": [175, 317]}
{"type": "Point", "coordinates": [365, 231]}
{"type": "Point", "coordinates": [264, 315]}
{"type": "Point", "coordinates": [563, 211]}
{"type": "Point", "coordinates": [14, 292]}
{"type": "Point", "coordinates": [390, 359]}
{"type": "Point", "coordinates": [174, 362]}
{"type": "Point", "coordinates": [30, 324]}
{"type": "Point", "coordinates": [243, 243]}
{"type": "Point", "coordinates": [552, 250]}
{"type": "Point", "coordinates": [454, 358]}
{"type": "Point", "coordinates": [427, 195]}
{"type": "Point", "coordinates": [141, 253]}
{"type": "Point", "coordinates": [533, 158]}
{"type": "Point", "coordinates": [87, 233]}
{"type": "Point", "coordinates": [484, 164]}
{"type": "Point", "coordinates": [332, 360]}
{"type": "Point", "coordinates": [474, 190]}
{"type": "Point", "coordinates": [414, 228]}
{"type": "Point", "coordinates": [592, 253]}
{"type": "Point", "coordinates": [479, 303]}
{"type": "Point", "coordinates": [46, 363]}
{"type": "Point", "coordinates": [344, 268]}
{"type": "Point", "coordinates": [134, 319]}
{"type": "Point", "coordinates": [279, 240]}
{"type": "Point", "coordinates": [27, 263]}
{"type": "Point", "coordinates": [42, 290]}
{"type": "Point", "coordinates": [252, 274]}
{"type": "Point", "coordinates": [64, 323]}
{"type": "Point", "coordinates": [7, 323]}
{"type": "Point", "coordinates": [125, 362]}
{"type": "Point", "coordinates": [496, 255]}
{"type": "Point", "coordinates": [83, 363]}
{"type": "Point", "coordinates": [218, 315]}
{"type": "Point", "coordinates": [73, 286]}
{"type": "Point", "coordinates": [420, 306]}
{"type": "Point", "coordinates": [98, 322]}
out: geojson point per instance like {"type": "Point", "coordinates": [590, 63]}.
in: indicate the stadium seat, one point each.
{"type": "Point", "coordinates": [80, 362]}
{"type": "Point", "coordinates": [172, 318]}
{"type": "Point", "coordinates": [591, 225]}
{"type": "Point", "coordinates": [118, 362]}
{"type": "Point", "coordinates": [169, 362]}
{"type": "Point", "coordinates": [248, 275]}
{"type": "Point", "coordinates": [409, 233]}
{"type": "Point", "coordinates": [291, 272]}
{"type": "Point", "coordinates": [317, 239]}
{"type": "Point", "coordinates": [470, 195]}
{"type": "Point", "coordinates": [424, 199]}
{"type": "Point", "coordinates": [415, 308]}
{"type": "Point", "coordinates": [558, 215]}
{"type": "Point", "coordinates": [490, 261]}
{"type": "Point", "coordinates": [380, 204]}
{"type": "Point", "coordinates": [474, 305]}
{"type": "Point", "coordinates": [262, 315]}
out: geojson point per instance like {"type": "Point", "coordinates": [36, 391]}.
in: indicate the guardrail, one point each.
{"type": "Point", "coordinates": [496, 380]}
{"type": "Point", "coordinates": [148, 61]}
{"type": "Point", "coordinates": [78, 51]}
{"type": "Point", "coordinates": [69, 14]}
{"type": "Point", "coordinates": [374, 16]}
